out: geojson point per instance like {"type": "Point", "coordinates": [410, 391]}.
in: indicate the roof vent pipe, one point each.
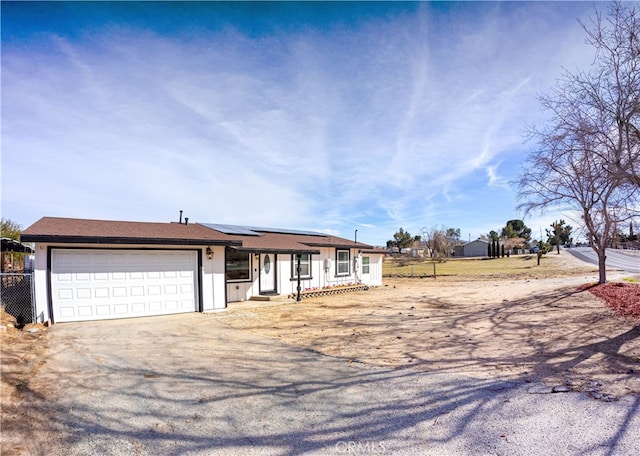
{"type": "Point", "coordinates": [186, 220]}
{"type": "Point", "coordinates": [180, 216]}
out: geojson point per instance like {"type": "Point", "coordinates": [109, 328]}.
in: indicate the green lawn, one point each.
{"type": "Point", "coordinates": [517, 266]}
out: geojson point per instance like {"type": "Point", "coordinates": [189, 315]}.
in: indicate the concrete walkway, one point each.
{"type": "Point", "coordinates": [188, 385]}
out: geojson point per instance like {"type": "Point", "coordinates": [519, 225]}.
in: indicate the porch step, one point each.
{"type": "Point", "coordinates": [274, 297]}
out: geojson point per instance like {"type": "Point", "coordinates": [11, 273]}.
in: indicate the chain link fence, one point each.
{"type": "Point", "coordinates": [17, 296]}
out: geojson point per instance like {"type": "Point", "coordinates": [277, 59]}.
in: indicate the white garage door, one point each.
{"type": "Point", "coordinates": [103, 284]}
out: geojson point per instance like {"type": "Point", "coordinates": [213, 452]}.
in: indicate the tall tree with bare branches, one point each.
{"type": "Point", "coordinates": [588, 155]}
{"type": "Point", "coordinates": [610, 91]}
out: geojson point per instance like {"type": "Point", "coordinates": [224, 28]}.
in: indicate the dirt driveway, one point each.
{"type": "Point", "coordinates": [538, 330]}
{"type": "Point", "coordinates": [189, 384]}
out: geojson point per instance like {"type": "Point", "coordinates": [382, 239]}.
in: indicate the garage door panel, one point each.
{"type": "Point", "coordinates": [83, 293]}
{"type": "Point", "coordinates": [66, 312]}
{"type": "Point", "coordinates": [136, 291]}
{"type": "Point", "coordinates": [103, 311]}
{"type": "Point", "coordinates": [65, 294]}
{"type": "Point", "coordinates": [85, 311]}
{"type": "Point", "coordinates": [101, 293]}
{"type": "Point", "coordinates": [119, 292]}
{"type": "Point", "coordinates": [89, 285]}
{"type": "Point", "coordinates": [138, 308]}
{"type": "Point", "coordinates": [120, 309]}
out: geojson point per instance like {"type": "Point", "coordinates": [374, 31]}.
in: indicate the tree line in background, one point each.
{"type": "Point", "coordinates": [440, 241]}
{"type": "Point", "coordinates": [436, 242]}
{"type": "Point", "coordinates": [514, 237]}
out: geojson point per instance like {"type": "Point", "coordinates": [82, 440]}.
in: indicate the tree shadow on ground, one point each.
{"type": "Point", "coordinates": [557, 336]}
{"type": "Point", "coordinates": [204, 388]}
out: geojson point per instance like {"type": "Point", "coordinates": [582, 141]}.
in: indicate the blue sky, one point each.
{"type": "Point", "coordinates": [322, 116]}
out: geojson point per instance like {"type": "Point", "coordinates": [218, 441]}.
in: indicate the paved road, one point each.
{"type": "Point", "coordinates": [616, 259]}
{"type": "Point", "coordinates": [188, 385]}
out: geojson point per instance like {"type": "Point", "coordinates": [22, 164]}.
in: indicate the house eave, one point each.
{"type": "Point", "coordinates": [342, 246]}
{"type": "Point", "coordinates": [276, 251]}
{"type": "Point", "coordinates": [121, 240]}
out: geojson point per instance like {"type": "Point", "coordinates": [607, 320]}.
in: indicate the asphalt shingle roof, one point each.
{"type": "Point", "coordinates": [70, 230]}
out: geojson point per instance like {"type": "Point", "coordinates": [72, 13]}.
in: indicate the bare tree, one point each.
{"type": "Point", "coordinates": [439, 241]}
{"type": "Point", "coordinates": [588, 155]}
{"type": "Point", "coordinates": [567, 173]}
{"type": "Point", "coordinates": [514, 243]}
{"type": "Point", "coordinates": [610, 92]}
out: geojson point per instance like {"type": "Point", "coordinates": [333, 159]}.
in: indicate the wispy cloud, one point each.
{"type": "Point", "coordinates": [376, 124]}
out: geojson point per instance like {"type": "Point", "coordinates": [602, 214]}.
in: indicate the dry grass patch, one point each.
{"type": "Point", "coordinates": [516, 266]}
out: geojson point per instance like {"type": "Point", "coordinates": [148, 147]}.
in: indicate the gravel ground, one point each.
{"type": "Point", "coordinates": [188, 384]}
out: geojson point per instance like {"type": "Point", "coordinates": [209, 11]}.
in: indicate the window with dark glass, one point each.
{"type": "Point", "coordinates": [238, 266]}
{"type": "Point", "coordinates": [342, 262]}
{"type": "Point", "coordinates": [305, 266]}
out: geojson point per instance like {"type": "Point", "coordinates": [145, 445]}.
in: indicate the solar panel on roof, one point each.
{"type": "Point", "coordinates": [285, 231]}
{"type": "Point", "coordinates": [231, 229]}
{"type": "Point", "coordinates": [255, 231]}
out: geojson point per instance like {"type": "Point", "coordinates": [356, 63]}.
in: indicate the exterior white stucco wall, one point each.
{"type": "Point", "coordinates": [213, 280]}
{"type": "Point", "coordinates": [40, 283]}
{"type": "Point", "coordinates": [374, 278]}
{"type": "Point", "coordinates": [323, 274]}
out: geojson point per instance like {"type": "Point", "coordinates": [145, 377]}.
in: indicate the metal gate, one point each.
{"type": "Point", "coordinates": [17, 296]}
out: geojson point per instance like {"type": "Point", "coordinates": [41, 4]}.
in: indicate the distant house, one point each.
{"type": "Point", "coordinates": [102, 269]}
{"type": "Point", "coordinates": [477, 248]}
{"type": "Point", "coordinates": [413, 252]}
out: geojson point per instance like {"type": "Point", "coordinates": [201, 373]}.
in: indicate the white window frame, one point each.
{"type": "Point", "coordinates": [366, 264]}
{"type": "Point", "coordinates": [340, 264]}
{"type": "Point", "coordinates": [294, 265]}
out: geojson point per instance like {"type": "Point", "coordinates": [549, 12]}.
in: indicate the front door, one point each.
{"type": "Point", "coordinates": [267, 273]}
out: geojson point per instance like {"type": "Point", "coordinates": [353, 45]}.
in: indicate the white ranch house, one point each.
{"type": "Point", "coordinates": [99, 269]}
